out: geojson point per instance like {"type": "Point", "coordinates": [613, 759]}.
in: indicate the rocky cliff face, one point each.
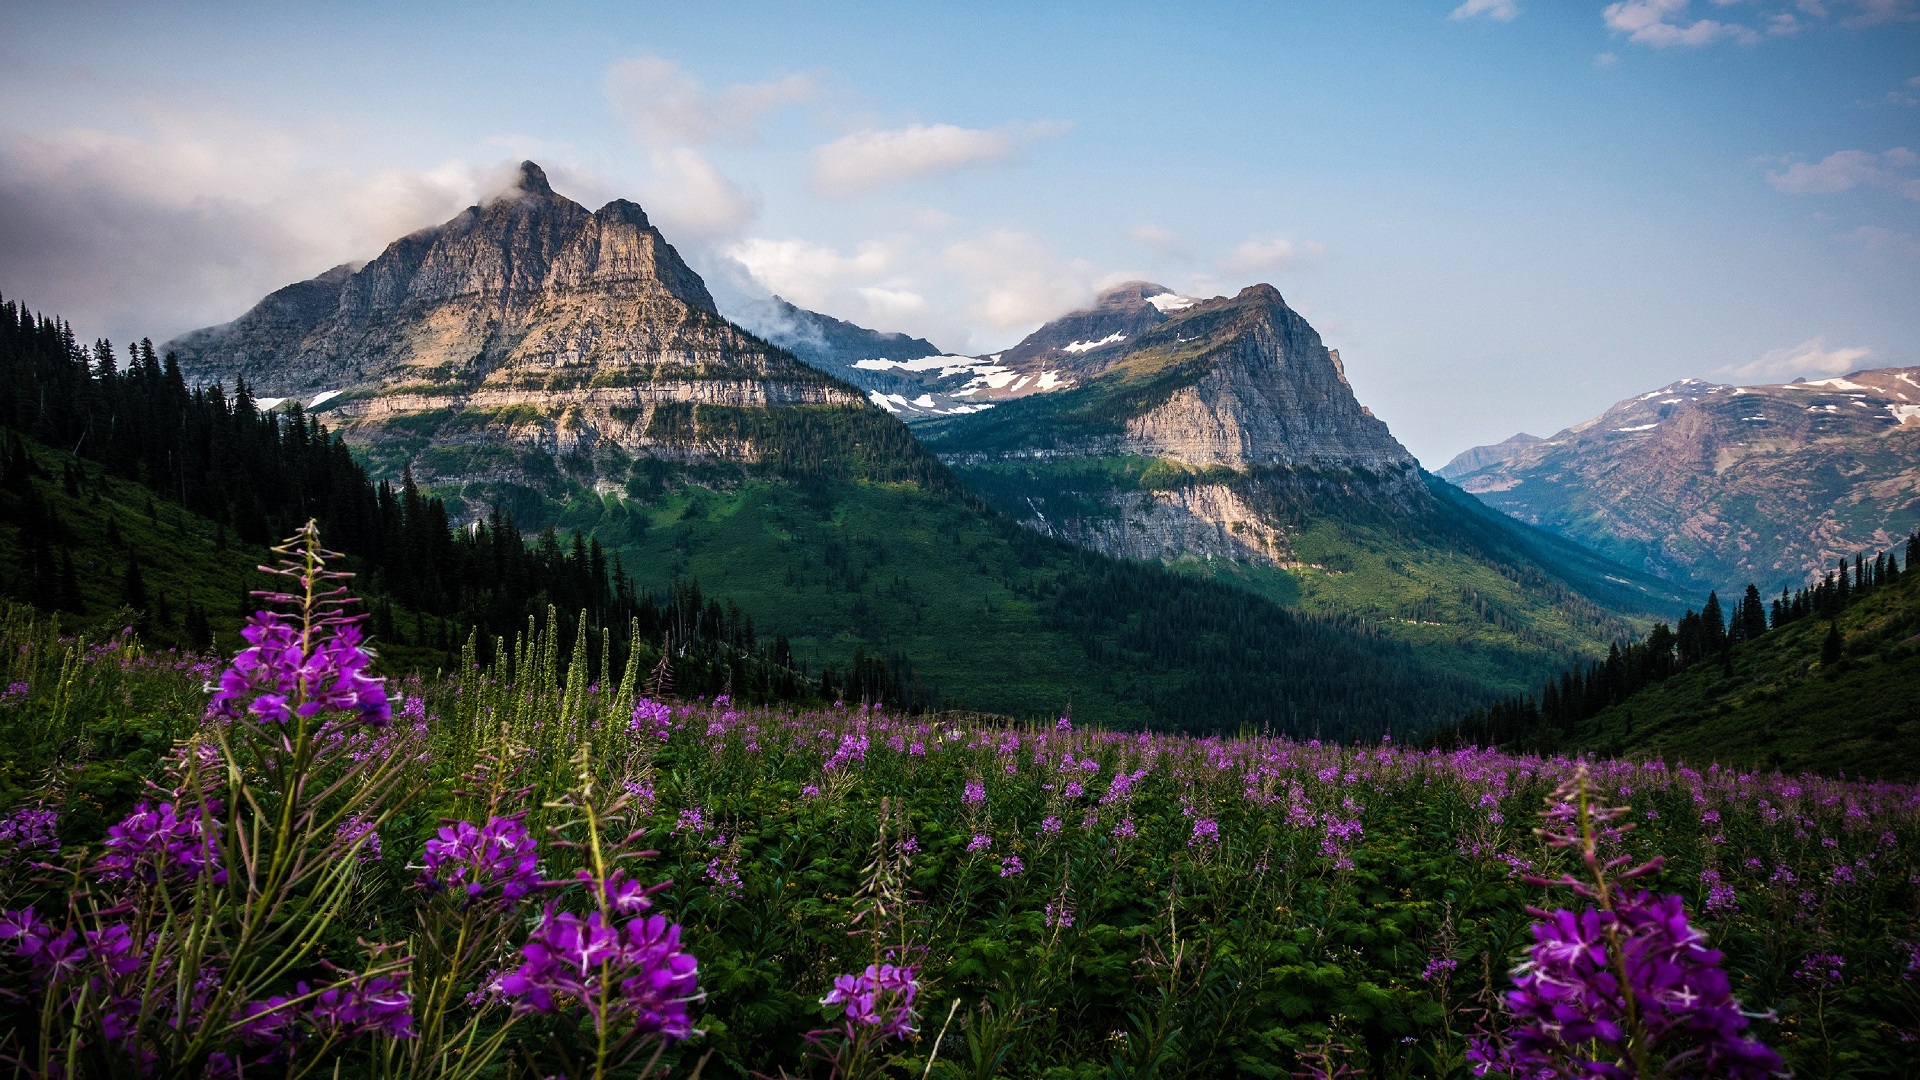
{"type": "Point", "coordinates": [1723, 484]}
{"type": "Point", "coordinates": [1237, 388]}
{"type": "Point", "coordinates": [523, 328]}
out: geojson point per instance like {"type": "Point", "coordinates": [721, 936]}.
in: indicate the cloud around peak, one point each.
{"type": "Point", "coordinates": [1810, 357]}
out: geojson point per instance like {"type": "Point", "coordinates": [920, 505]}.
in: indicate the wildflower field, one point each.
{"type": "Point", "coordinates": [277, 865]}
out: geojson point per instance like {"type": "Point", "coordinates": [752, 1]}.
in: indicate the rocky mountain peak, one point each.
{"type": "Point", "coordinates": [531, 180]}
{"type": "Point", "coordinates": [529, 277]}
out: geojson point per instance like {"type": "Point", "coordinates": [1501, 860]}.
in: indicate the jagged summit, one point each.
{"type": "Point", "coordinates": [523, 327]}
{"type": "Point", "coordinates": [535, 280]}
{"type": "Point", "coordinates": [532, 180]}
{"type": "Point", "coordinates": [1241, 382]}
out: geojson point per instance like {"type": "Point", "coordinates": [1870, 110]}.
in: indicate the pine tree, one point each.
{"type": "Point", "coordinates": [1831, 648]}
{"type": "Point", "coordinates": [199, 632]}
{"type": "Point", "coordinates": [133, 587]}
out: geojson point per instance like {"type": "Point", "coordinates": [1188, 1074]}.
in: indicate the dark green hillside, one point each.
{"type": "Point", "coordinates": [1476, 593]}
{"type": "Point", "coordinates": [988, 614]}
{"type": "Point", "coordinates": [1823, 679]}
{"type": "Point", "coordinates": [1785, 706]}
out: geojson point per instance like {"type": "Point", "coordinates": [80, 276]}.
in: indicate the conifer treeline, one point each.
{"type": "Point", "coordinates": [263, 473]}
{"type": "Point", "coordinates": [1706, 636]}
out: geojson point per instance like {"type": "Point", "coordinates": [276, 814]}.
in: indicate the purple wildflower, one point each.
{"type": "Point", "coordinates": [1821, 969]}
{"type": "Point", "coordinates": [28, 932]}
{"type": "Point", "coordinates": [880, 998]}
{"type": "Point", "coordinates": [980, 842]}
{"type": "Point", "coordinates": [1011, 866]}
{"type": "Point", "coordinates": [152, 842]}
{"type": "Point", "coordinates": [975, 794]}
{"type": "Point", "coordinates": [499, 855]}
{"type": "Point", "coordinates": [29, 830]}
{"type": "Point", "coordinates": [365, 1006]}
{"type": "Point", "coordinates": [1570, 1002]}
{"type": "Point", "coordinates": [280, 675]}
{"type": "Point", "coordinates": [635, 969]}
{"type": "Point", "coordinates": [652, 717]}
{"type": "Point", "coordinates": [1206, 833]}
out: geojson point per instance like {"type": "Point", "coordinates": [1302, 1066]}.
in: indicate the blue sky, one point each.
{"type": "Point", "coordinates": [1506, 214]}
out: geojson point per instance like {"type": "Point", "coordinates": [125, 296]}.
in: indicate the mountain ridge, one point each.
{"type": "Point", "coordinates": [1722, 483]}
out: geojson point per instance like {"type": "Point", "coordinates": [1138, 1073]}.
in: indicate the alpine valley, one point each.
{"type": "Point", "coordinates": [1160, 454]}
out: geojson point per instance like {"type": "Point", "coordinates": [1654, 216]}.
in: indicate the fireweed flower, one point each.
{"type": "Point", "coordinates": [975, 794]}
{"type": "Point", "coordinates": [1608, 988]}
{"type": "Point", "coordinates": [27, 932]}
{"type": "Point", "coordinates": [1206, 833]}
{"type": "Point", "coordinates": [652, 718]}
{"type": "Point", "coordinates": [365, 1006]}
{"type": "Point", "coordinates": [1821, 969]}
{"type": "Point", "coordinates": [29, 831]}
{"type": "Point", "coordinates": [479, 859]}
{"type": "Point", "coordinates": [152, 842]}
{"type": "Point", "coordinates": [635, 969]}
{"type": "Point", "coordinates": [1011, 866]}
{"type": "Point", "coordinates": [880, 998]}
{"type": "Point", "coordinates": [279, 676]}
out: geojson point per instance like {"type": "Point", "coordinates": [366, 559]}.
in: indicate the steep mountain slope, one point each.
{"type": "Point", "coordinates": [1223, 436]}
{"type": "Point", "coordinates": [568, 365]}
{"type": "Point", "coordinates": [1723, 484]}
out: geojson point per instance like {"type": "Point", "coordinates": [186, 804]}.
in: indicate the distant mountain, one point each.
{"type": "Point", "coordinates": [830, 343]}
{"type": "Point", "coordinates": [1479, 457]}
{"type": "Point", "coordinates": [1222, 435]}
{"type": "Point", "coordinates": [1723, 484]}
{"type": "Point", "coordinates": [568, 365]}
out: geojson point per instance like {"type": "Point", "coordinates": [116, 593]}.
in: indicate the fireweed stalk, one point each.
{"type": "Point", "coordinates": [1624, 989]}
{"type": "Point", "coordinates": [874, 1009]}
{"type": "Point", "coordinates": [625, 967]}
{"type": "Point", "coordinates": [220, 888]}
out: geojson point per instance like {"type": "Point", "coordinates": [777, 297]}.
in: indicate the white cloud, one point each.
{"type": "Point", "coordinates": [811, 275]}
{"type": "Point", "coordinates": [1276, 253]}
{"type": "Point", "coordinates": [1809, 358]}
{"type": "Point", "coordinates": [1501, 10]}
{"type": "Point", "coordinates": [691, 200]}
{"type": "Point", "coordinates": [182, 219]}
{"type": "Point", "coordinates": [1883, 243]}
{"type": "Point", "coordinates": [1844, 170]}
{"type": "Point", "coordinates": [1015, 281]}
{"type": "Point", "coordinates": [1662, 24]}
{"type": "Point", "coordinates": [865, 160]}
{"type": "Point", "coordinates": [1605, 59]}
{"type": "Point", "coordinates": [665, 105]}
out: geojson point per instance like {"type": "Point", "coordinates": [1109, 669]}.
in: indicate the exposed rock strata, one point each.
{"type": "Point", "coordinates": [529, 323]}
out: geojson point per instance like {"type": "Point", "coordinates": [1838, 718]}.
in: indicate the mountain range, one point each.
{"type": "Point", "coordinates": [568, 364]}
{"type": "Point", "coordinates": [1722, 484]}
